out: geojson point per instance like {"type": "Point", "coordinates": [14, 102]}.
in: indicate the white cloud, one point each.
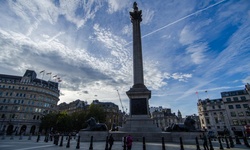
{"type": "Point", "coordinates": [246, 80]}
{"type": "Point", "coordinates": [196, 52]}
{"type": "Point", "coordinates": [147, 16]}
{"type": "Point", "coordinates": [181, 77]}
{"type": "Point", "coordinates": [187, 36]}
{"type": "Point", "coordinates": [116, 5]}
{"type": "Point", "coordinates": [127, 30]}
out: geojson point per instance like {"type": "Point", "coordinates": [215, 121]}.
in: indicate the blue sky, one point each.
{"type": "Point", "coordinates": [188, 46]}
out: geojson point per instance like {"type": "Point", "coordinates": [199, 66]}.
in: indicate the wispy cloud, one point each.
{"type": "Point", "coordinates": [190, 46]}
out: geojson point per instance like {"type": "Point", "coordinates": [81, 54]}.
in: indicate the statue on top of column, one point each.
{"type": "Point", "coordinates": [135, 6]}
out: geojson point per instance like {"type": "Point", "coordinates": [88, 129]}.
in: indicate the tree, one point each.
{"type": "Point", "coordinates": [97, 112]}
{"type": "Point", "coordinates": [48, 122]}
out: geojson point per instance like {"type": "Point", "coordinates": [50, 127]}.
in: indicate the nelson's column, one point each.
{"type": "Point", "coordinates": [139, 119]}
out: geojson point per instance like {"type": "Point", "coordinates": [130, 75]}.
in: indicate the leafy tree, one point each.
{"type": "Point", "coordinates": [97, 112]}
{"type": "Point", "coordinates": [64, 122]}
{"type": "Point", "coordinates": [48, 121]}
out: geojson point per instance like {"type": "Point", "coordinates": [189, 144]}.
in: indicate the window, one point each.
{"type": "Point", "coordinates": [245, 105]}
{"type": "Point", "coordinates": [213, 107]}
{"type": "Point", "coordinates": [216, 120]}
{"type": "Point", "coordinates": [3, 116]}
{"type": "Point", "coordinates": [243, 122]}
{"type": "Point", "coordinates": [233, 114]}
{"type": "Point", "coordinates": [235, 98]}
{"type": "Point", "coordinates": [237, 106]}
{"type": "Point", "coordinates": [243, 98]}
{"type": "Point", "coordinates": [248, 113]}
{"type": "Point", "coordinates": [228, 99]}
{"type": "Point", "coordinates": [208, 121]}
{"type": "Point", "coordinates": [240, 114]}
{"type": "Point", "coordinates": [219, 106]}
{"type": "Point", "coordinates": [235, 122]}
{"type": "Point", "coordinates": [230, 106]}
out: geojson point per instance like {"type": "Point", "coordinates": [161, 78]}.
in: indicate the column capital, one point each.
{"type": "Point", "coordinates": [136, 14]}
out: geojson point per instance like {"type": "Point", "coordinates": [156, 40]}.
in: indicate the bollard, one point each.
{"type": "Point", "coordinates": [91, 143]}
{"type": "Point", "coordinates": [29, 137]}
{"type": "Point", "coordinates": [181, 144]}
{"type": "Point", "coordinates": [12, 136]}
{"type": "Point", "coordinates": [124, 143]}
{"type": "Point", "coordinates": [45, 139]}
{"type": "Point", "coordinates": [237, 140]}
{"type": "Point", "coordinates": [221, 147]}
{"type": "Point", "coordinates": [163, 143]}
{"type": "Point", "coordinates": [210, 144]}
{"type": "Point", "coordinates": [21, 137]}
{"type": "Point", "coordinates": [68, 143]}
{"type": "Point", "coordinates": [245, 141]}
{"type": "Point", "coordinates": [106, 144]}
{"type": "Point", "coordinates": [78, 142]}
{"type": "Point", "coordinates": [4, 134]}
{"type": "Point", "coordinates": [61, 142]}
{"type": "Point", "coordinates": [231, 141]}
{"type": "Point", "coordinates": [38, 138]}
{"type": "Point", "coordinates": [197, 144]}
{"type": "Point", "coordinates": [227, 142]}
{"type": "Point", "coordinates": [54, 142]}
{"type": "Point", "coordinates": [143, 143]}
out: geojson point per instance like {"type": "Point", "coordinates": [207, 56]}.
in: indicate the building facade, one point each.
{"type": "Point", "coordinates": [24, 100]}
{"type": "Point", "coordinates": [163, 117]}
{"type": "Point", "coordinates": [231, 112]}
{"type": "Point", "coordinates": [113, 114]}
{"type": "Point", "coordinates": [72, 107]}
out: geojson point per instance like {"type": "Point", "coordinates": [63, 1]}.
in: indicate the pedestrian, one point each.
{"type": "Point", "coordinates": [129, 141]}
{"type": "Point", "coordinates": [205, 144]}
{"type": "Point", "coordinates": [111, 141]}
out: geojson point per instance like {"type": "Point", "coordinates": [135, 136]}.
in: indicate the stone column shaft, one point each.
{"type": "Point", "coordinates": [137, 53]}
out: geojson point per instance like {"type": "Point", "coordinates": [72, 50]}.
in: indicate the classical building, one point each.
{"type": "Point", "coordinates": [229, 112]}
{"type": "Point", "coordinates": [163, 117]}
{"type": "Point", "coordinates": [24, 100]}
{"type": "Point", "coordinates": [75, 106]}
{"type": "Point", "coordinates": [113, 114]}
{"type": "Point", "coordinates": [237, 108]}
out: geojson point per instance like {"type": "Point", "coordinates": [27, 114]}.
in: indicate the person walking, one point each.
{"type": "Point", "coordinates": [129, 142]}
{"type": "Point", "coordinates": [111, 141]}
{"type": "Point", "coordinates": [205, 144]}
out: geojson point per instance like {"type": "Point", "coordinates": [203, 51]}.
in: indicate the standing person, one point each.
{"type": "Point", "coordinates": [129, 141]}
{"type": "Point", "coordinates": [205, 144]}
{"type": "Point", "coordinates": [111, 141]}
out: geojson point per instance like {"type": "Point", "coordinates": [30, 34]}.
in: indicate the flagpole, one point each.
{"type": "Point", "coordinates": [207, 95]}
{"type": "Point", "coordinates": [43, 71]}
